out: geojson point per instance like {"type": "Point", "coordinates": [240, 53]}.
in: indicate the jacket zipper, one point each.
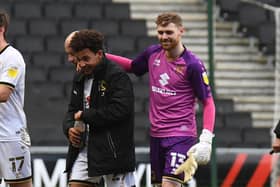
{"type": "Point", "coordinates": [111, 144]}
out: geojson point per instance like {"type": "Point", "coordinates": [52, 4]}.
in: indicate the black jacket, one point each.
{"type": "Point", "coordinates": [110, 117]}
{"type": "Point", "coordinates": [277, 130]}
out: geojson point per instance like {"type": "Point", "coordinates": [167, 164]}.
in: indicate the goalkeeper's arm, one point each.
{"type": "Point", "coordinates": [122, 61]}
{"type": "Point", "coordinates": [202, 150]}
{"type": "Point", "coordinates": [200, 153]}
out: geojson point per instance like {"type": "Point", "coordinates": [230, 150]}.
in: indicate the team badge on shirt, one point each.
{"type": "Point", "coordinates": [157, 62]}
{"type": "Point", "coordinates": [205, 78]}
{"type": "Point", "coordinates": [12, 72]}
{"type": "Point", "coordinates": [103, 87]}
{"type": "Point", "coordinates": [180, 69]}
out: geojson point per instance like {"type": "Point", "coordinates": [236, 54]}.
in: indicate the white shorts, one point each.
{"type": "Point", "coordinates": [15, 162]}
{"type": "Point", "coordinates": [79, 174]}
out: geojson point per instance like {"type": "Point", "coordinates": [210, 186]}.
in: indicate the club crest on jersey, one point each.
{"type": "Point", "coordinates": [205, 78]}
{"type": "Point", "coordinates": [180, 69]}
{"type": "Point", "coordinates": [12, 72]}
{"type": "Point", "coordinates": [157, 62]}
{"type": "Point", "coordinates": [102, 87]}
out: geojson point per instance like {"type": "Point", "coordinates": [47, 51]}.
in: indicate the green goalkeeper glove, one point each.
{"type": "Point", "coordinates": [188, 167]}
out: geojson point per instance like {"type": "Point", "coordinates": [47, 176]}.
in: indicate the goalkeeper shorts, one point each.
{"type": "Point", "coordinates": [166, 155]}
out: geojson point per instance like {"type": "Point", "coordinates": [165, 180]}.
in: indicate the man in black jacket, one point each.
{"type": "Point", "coordinates": [102, 101]}
{"type": "Point", "coordinates": [276, 142]}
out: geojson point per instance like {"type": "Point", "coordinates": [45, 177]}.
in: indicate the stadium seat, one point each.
{"type": "Point", "coordinates": [145, 41]}
{"type": "Point", "coordinates": [70, 25]}
{"type": "Point", "coordinates": [267, 37]}
{"type": "Point", "coordinates": [27, 10]}
{"type": "Point", "coordinates": [17, 27]}
{"type": "Point", "coordinates": [47, 60]}
{"type": "Point", "coordinates": [55, 44]}
{"type": "Point", "coordinates": [238, 120]}
{"type": "Point", "coordinates": [224, 105]}
{"type": "Point", "coordinates": [88, 11]}
{"type": "Point", "coordinates": [250, 21]}
{"type": "Point", "coordinates": [35, 75]}
{"type": "Point", "coordinates": [127, 44]}
{"type": "Point", "coordinates": [107, 27]}
{"type": "Point", "coordinates": [30, 44]}
{"type": "Point", "coordinates": [133, 27]}
{"type": "Point", "coordinates": [259, 137]}
{"type": "Point", "coordinates": [227, 137]}
{"type": "Point", "coordinates": [62, 74]}
{"type": "Point", "coordinates": [58, 10]}
{"type": "Point", "coordinates": [117, 11]}
{"type": "Point", "coordinates": [229, 9]}
{"type": "Point", "coordinates": [44, 92]}
{"type": "Point", "coordinates": [42, 27]}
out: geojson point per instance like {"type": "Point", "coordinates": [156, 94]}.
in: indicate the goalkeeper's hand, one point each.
{"type": "Point", "coordinates": [188, 167]}
{"type": "Point", "coordinates": [202, 150]}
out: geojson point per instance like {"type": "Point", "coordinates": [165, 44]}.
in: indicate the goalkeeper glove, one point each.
{"type": "Point", "coordinates": [188, 167]}
{"type": "Point", "coordinates": [202, 150]}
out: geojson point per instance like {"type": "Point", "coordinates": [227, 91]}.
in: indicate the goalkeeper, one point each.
{"type": "Point", "coordinates": [177, 79]}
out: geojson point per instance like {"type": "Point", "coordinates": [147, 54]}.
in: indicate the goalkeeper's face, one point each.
{"type": "Point", "coordinates": [169, 35]}
{"type": "Point", "coordinates": [87, 60]}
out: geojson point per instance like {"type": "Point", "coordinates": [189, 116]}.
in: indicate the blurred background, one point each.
{"type": "Point", "coordinates": [238, 40]}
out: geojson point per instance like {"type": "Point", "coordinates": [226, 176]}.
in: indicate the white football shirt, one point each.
{"type": "Point", "coordinates": [12, 74]}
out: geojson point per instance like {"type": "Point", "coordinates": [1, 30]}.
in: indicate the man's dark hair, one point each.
{"type": "Point", "coordinates": [165, 18]}
{"type": "Point", "coordinates": [87, 38]}
{"type": "Point", "coordinates": [4, 21]}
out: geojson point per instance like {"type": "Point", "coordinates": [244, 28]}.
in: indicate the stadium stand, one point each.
{"type": "Point", "coordinates": [266, 34]}
{"type": "Point", "coordinates": [259, 22]}
{"type": "Point", "coordinates": [250, 22]}
{"type": "Point", "coordinates": [229, 9]}
{"type": "Point", "coordinates": [39, 29]}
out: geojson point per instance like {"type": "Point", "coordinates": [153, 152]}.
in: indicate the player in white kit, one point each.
{"type": "Point", "coordinates": [15, 164]}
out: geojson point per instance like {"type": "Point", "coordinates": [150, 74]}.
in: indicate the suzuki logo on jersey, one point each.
{"type": "Point", "coordinates": [164, 79]}
{"type": "Point", "coordinates": [157, 62]}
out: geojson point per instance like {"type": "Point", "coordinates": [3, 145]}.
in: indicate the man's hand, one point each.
{"type": "Point", "coordinates": [77, 115]}
{"type": "Point", "coordinates": [188, 167]}
{"type": "Point", "coordinates": [74, 136]}
{"type": "Point", "coordinates": [202, 150]}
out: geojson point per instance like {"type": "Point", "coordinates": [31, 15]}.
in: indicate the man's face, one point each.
{"type": "Point", "coordinates": [88, 60]}
{"type": "Point", "coordinates": [169, 36]}
{"type": "Point", "coordinates": [70, 55]}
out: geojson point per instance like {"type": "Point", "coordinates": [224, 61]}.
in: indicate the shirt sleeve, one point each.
{"type": "Point", "coordinates": [197, 75]}
{"type": "Point", "coordinates": [140, 65]}
{"type": "Point", "coordinates": [10, 73]}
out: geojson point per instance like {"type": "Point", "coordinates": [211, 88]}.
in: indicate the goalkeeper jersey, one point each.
{"type": "Point", "coordinates": [12, 74]}
{"type": "Point", "coordinates": [173, 88]}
